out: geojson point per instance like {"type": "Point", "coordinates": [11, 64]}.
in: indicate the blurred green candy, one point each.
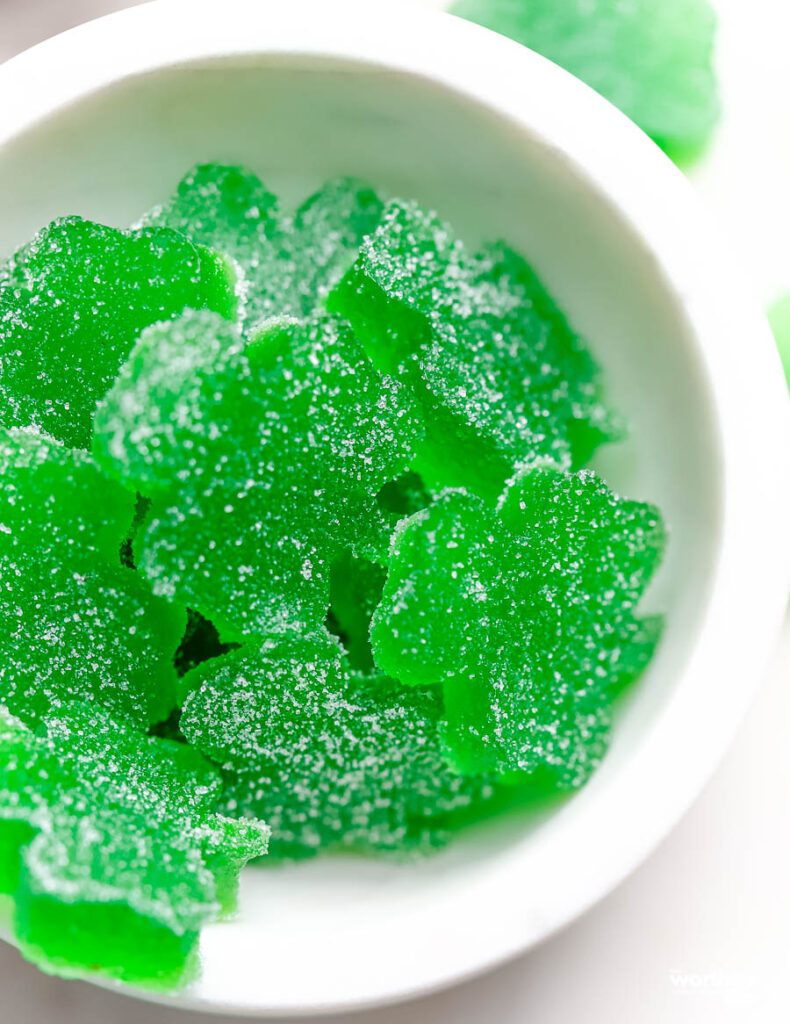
{"type": "Point", "coordinates": [651, 58]}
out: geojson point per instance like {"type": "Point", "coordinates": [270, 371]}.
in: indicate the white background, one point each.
{"type": "Point", "coordinates": [700, 934]}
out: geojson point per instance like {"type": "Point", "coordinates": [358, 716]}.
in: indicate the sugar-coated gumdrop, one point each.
{"type": "Point", "coordinates": [500, 377]}
{"type": "Point", "coordinates": [262, 461]}
{"type": "Point", "coordinates": [111, 847]}
{"type": "Point", "coordinates": [221, 206]}
{"type": "Point", "coordinates": [72, 303]}
{"type": "Point", "coordinates": [56, 503]}
{"type": "Point", "coordinates": [331, 759]}
{"type": "Point", "coordinates": [20, 805]}
{"type": "Point", "coordinates": [652, 60]}
{"type": "Point", "coordinates": [323, 238]}
{"type": "Point", "coordinates": [289, 263]}
{"type": "Point", "coordinates": [230, 210]}
{"type": "Point", "coordinates": [525, 615]}
{"type": "Point", "coordinates": [76, 624]}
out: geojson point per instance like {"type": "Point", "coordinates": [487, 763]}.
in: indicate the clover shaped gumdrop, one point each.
{"type": "Point", "coordinates": [111, 846]}
{"type": "Point", "coordinates": [526, 615]}
{"type": "Point", "coordinates": [329, 758]}
{"type": "Point", "coordinates": [500, 377]}
{"type": "Point", "coordinates": [262, 460]}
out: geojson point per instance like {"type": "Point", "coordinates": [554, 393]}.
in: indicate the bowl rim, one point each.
{"type": "Point", "coordinates": [749, 585]}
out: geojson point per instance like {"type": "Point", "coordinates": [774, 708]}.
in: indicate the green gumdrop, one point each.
{"type": "Point", "coordinates": [75, 623]}
{"type": "Point", "coordinates": [72, 303]}
{"type": "Point", "coordinates": [230, 210]}
{"type": "Point", "coordinates": [224, 207]}
{"type": "Point", "coordinates": [138, 773]}
{"type": "Point", "coordinates": [331, 759]}
{"type": "Point", "coordinates": [98, 635]}
{"type": "Point", "coordinates": [525, 615]}
{"type": "Point", "coordinates": [651, 59]}
{"type": "Point", "coordinates": [229, 845]}
{"type": "Point", "coordinates": [779, 317]}
{"type": "Point", "coordinates": [124, 857]}
{"type": "Point", "coordinates": [95, 897]}
{"type": "Point", "coordinates": [262, 462]}
{"type": "Point", "coordinates": [324, 237]}
{"type": "Point", "coordinates": [500, 377]}
{"type": "Point", "coordinates": [288, 263]}
{"type": "Point", "coordinates": [171, 414]}
{"type": "Point", "coordinates": [22, 808]}
{"type": "Point", "coordinates": [56, 504]}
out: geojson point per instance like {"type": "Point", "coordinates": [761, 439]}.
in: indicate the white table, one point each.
{"type": "Point", "coordinates": [700, 934]}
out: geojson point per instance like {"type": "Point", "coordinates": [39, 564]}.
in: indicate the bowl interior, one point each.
{"type": "Point", "coordinates": [298, 120]}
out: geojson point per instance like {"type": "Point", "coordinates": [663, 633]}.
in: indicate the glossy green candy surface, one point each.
{"type": "Point", "coordinates": [651, 58]}
{"type": "Point", "coordinates": [500, 377]}
{"type": "Point", "coordinates": [526, 616]}
{"type": "Point", "coordinates": [288, 261]}
{"type": "Point", "coordinates": [332, 759]}
{"type": "Point", "coordinates": [76, 623]}
{"type": "Point", "coordinates": [72, 303]}
{"type": "Point", "coordinates": [111, 846]}
{"type": "Point", "coordinates": [262, 462]}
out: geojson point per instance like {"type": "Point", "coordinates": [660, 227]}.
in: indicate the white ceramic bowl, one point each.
{"type": "Point", "coordinates": [103, 120]}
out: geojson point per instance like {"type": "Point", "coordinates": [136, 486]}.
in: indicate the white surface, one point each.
{"type": "Point", "coordinates": [664, 947]}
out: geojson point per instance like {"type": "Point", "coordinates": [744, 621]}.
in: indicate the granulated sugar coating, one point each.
{"type": "Point", "coordinates": [652, 58]}
{"type": "Point", "coordinates": [112, 848]}
{"type": "Point", "coordinates": [72, 303]}
{"type": "Point", "coordinates": [500, 377]}
{"type": "Point", "coordinates": [262, 459]}
{"type": "Point", "coordinates": [326, 233]}
{"type": "Point", "coordinates": [288, 262]}
{"type": "Point", "coordinates": [295, 536]}
{"type": "Point", "coordinates": [76, 624]}
{"type": "Point", "coordinates": [526, 616]}
{"type": "Point", "coordinates": [332, 759]}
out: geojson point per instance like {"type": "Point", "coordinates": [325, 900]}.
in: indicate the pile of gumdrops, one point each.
{"type": "Point", "coordinates": [295, 550]}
